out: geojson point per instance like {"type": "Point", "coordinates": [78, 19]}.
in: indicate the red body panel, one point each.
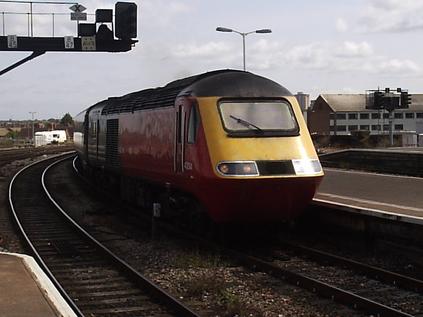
{"type": "Point", "coordinates": [146, 144]}
{"type": "Point", "coordinates": [147, 149]}
{"type": "Point", "coordinates": [250, 200]}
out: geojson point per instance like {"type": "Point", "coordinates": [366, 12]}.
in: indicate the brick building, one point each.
{"type": "Point", "coordinates": [344, 114]}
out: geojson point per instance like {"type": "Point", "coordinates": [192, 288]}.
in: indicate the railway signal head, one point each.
{"type": "Point", "coordinates": [405, 100]}
{"type": "Point", "coordinates": [378, 100]}
{"type": "Point", "coordinates": [126, 20]}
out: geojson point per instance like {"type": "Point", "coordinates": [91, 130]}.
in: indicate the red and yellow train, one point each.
{"type": "Point", "coordinates": [234, 142]}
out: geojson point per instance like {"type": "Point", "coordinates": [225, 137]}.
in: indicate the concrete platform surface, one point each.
{"type": "Point", "coordinates": [377, 193]}
{"type": "Point", "coordinates": [25, 290]}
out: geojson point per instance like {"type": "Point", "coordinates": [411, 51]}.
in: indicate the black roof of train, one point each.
{"type": "Point", "coordinates": [224, 83]}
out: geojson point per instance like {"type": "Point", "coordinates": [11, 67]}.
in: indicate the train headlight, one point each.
{"type": "Point", "coordinates": [238, 168]}
{"type": "Point", "coordinates": [307, 166]}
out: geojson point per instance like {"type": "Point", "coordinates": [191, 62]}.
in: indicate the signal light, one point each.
{"type": "Point", "coordinates": [405, 99]}
{"type": "Point", "coordinates": [378, 100]}
{"type": "Point", "coordinates": [126, 20]}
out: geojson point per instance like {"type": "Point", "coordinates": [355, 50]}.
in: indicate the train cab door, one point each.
{"type": "Point", "coordinates": [180, 139]}
{"type": "Point", "coordinates": [97, 131]}
{"type": "Point", "coordinates": [86, 131]}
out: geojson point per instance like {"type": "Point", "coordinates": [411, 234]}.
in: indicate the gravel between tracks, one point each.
{"type": "Point", "coordinates": [202, 279]}
{"type": "Point", "coordinates": [9, 241]}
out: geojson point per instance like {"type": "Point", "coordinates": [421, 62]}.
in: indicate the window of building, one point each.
{"type": "Point", "coordinates": [332, 128]}
{"type": "Point", "coordinates": [375, 127]}
{"type": "Point", "coordinates": [352, 127]}
{"type": "Point", "coordinates": [365, 127]}
{"type": "Point", "coordinates": [386, 116]}
{"type": "Point", "coordinates": [375, 115]}
{"type": "Point", "coordinates": [364, 116]}
{"type": "Point", "coordinates": [399, 127]}
{"type": "Point", "coordinates": [341, 116]}
{"type": "Point", "coordinates": [398, 115]}
{"type": "Point", "coordinates": [419, 115]}
{"type": "Point", "coordinates": [341, 128]}
{"type": "Point", "coordinates": [409, 115]}
{"type": "Point", "coordinates": [385, 127]}
{"type": "Point", "coordinates": [352, 116]}
{"type": "Point", "coordinates": [332, 116]}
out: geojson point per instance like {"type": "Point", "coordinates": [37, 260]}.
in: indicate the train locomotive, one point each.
{"type": "Point", "coordinates": [233, 141]}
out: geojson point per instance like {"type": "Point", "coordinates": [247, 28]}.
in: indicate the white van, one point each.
{"type": "Point", "coordinates": [49, 137]}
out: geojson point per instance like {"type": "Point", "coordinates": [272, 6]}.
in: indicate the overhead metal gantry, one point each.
{"type": "Point", "coordinates": [92, 37]}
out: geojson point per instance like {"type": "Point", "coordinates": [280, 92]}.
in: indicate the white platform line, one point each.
{"type": "Point", "coordinates": [372, 202]}
{"type": "Point", "coordinates": [339, 170]}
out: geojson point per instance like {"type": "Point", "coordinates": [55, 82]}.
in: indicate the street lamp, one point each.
{"type": "Point", "coordinates": [222, 29]}
{"type": "Point", "coordinates": [32, 116]}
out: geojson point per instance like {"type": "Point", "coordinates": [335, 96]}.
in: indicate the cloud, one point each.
{"type": "Point", "coordinates": [391, 16]}
{"type": "Point", "coordinates": [161, 13]}
{"type": "Point", "coordinates": [396, 66]}
{"type": "Point", "coordinates": [353, 49]}
{"type": "Point", "coordinates": [341, 25]}
{"type": "Point", "coordinates": [264, 54]}
{"type": "Point", "coordinates": [210, 49]}
{"type": "Point", "coordinates": [308, 56]}
{"type": "Point", "coordinates": [347, 57]}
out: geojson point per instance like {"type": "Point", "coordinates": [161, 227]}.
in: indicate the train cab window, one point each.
{"type": "Point", "coordinates": [193, 123]}
{"type": "Point", "coordinates": [258, 118]}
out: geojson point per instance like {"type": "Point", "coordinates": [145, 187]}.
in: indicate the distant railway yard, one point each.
{"type": "Point", "coordinates": [136, 265]}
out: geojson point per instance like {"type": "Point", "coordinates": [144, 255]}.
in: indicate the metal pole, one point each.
{"type": "Point", "coordinates": [32, 116]}
{"type": "Point", "coordinates": [3, 24]}
{"type": "Point", "coordinates": [33, 55]}
{"type": "Point", "coordinates": [52, 15]}
{"type": "Point", "coordinates": [391, 127]}
{"type": "Point", "coordinates": [32, 30]}
{"type": "Point", "coordinates": [243, 48]}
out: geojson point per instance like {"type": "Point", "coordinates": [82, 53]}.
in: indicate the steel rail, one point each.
{"type": "Point", "coordinates": [383, 275]}
{"type": "Point", "coordinates": [323, 289]}
{"type": "Point", "coordinates": [153, 289]}
{"type": "Point", "coordinates": [35, 253]}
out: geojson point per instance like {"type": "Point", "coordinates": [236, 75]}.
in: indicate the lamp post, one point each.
{"type": "Point", "coordinates": [32, 117]}
{"type": "Point", "coordinates": [222, 29]}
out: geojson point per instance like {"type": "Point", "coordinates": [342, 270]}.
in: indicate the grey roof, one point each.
{"type": "Point", "coordinates": [357, 102]}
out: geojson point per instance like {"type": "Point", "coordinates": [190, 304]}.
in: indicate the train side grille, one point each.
{"type": "Point", "coordinates": [267, 168]}
{"type": "Point", "coordinates": [112, 146]}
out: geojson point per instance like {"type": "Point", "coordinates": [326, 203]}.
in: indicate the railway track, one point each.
{"type": "Point", "coordinates": [9, 155]}
{"type": "Point", "coordinates": [91, 278]}
{"type": "Point", "coordinates": [360, 286]}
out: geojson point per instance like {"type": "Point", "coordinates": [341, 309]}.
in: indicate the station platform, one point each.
{"type": "Point", "coordinates": [382, 195]}
{"type": "Point", "coordinates": [25, 290]}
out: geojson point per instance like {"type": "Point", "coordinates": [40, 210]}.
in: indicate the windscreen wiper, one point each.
{"type": "Point", "coordinates": [246, 123]}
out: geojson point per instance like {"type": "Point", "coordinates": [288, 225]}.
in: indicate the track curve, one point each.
{"type": "Point", "coordinates": [91, 279]}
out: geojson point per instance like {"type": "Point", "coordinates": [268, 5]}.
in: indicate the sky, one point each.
{"type": "Point", "coordinates": [316, 47]}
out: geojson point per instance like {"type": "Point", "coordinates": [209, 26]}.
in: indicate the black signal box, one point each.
{"type": "Point", "coordinates": [104, 15]}
{"type": "Point", "coordinates": [126, 20]}
{"type": "Point", "coordinates": [86, 29]}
